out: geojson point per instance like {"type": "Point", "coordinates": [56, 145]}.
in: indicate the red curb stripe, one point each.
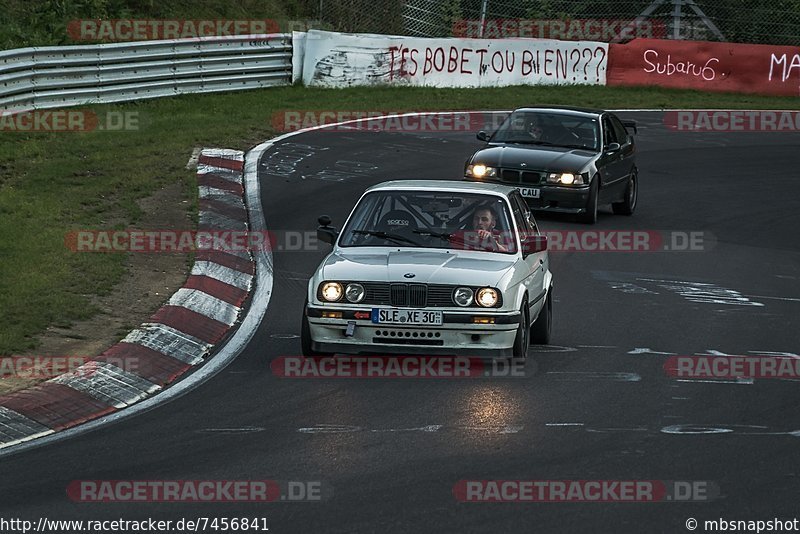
{"type": "Point", "coordinates": [225, 163]}
{"type": "Point", "coordinates": [145, 362]}
{"type": "Point", "coordinates": [212, 180]}
{"type": "Point", "coordinates": [192, 323]}
{"type": "Point", "coordinates": [55, 406]}
{"type": "Point", "coordinates": [217, 288]}
{"type": "Point", "coordinates": [223, 208]}
{"type": "Point", "coordinates": [231, 261]}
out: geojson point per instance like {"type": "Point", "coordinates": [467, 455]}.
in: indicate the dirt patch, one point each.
{"type": "Point", "coordinates": [150, 281]}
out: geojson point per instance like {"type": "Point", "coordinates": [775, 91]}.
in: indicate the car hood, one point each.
{"type": "Point", "coordinates": [552, 159]}
{"type": "Point", "coordinates": [471, 268]}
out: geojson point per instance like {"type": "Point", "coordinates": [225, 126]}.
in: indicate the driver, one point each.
{"type": "Point", "coordinates": [483, 235]}
{"type": "Point", "coordinates": [534, 128]}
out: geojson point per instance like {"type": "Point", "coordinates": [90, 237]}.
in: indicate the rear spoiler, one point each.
{"type": "Point", "coordinates": [630, 124]}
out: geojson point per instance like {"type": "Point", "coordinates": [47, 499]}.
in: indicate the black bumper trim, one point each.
{"type": "Point", "coordinates": [449, 318]}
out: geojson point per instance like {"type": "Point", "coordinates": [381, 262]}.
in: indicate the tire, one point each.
{"type": "Point", "coordinates": [305, 337]}
{"type": "Point", "coordinates": [590, 217]}
{"type": "Point", "coordinates": [628, 205]}
{"type": "Point", "coordinates": [540, 331]}
{"type": "Point", "coordinates": [522, 340]}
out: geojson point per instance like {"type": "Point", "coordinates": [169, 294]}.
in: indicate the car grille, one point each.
{"type": "Point", "coordinates": [515, 176]}
{"type": "Point", "coordinates": [410, 295]}
{"type": "Point", "coordinates": [415, 295]}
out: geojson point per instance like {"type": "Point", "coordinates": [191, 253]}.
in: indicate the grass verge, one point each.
{"type": "Point", "coordinates": [52, 183]}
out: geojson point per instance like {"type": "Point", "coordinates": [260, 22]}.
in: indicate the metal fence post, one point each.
{"type": "Point", "coordinates": [484, 6]}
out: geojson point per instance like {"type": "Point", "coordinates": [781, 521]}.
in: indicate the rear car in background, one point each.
{"type": "Point", "coordinates": [568, 160]}
{"type": "Point", "coordinates": [431, 267]}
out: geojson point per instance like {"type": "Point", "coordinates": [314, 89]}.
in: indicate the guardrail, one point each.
{"type": "Point", "coordinates": [56, 76]}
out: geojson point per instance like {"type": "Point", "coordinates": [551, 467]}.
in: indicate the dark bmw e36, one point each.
{"type": "Point", "coordinates": [567, 160]}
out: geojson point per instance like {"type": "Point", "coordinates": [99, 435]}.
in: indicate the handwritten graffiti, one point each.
{"type": "Point", "coordinates": [706, 71]}
{"type": "Point", "coordinates": [333, 59]}
{"type": "Point", "coordinates": [785, 65]}
{"type": "Point", "coordinates": [561, 64]}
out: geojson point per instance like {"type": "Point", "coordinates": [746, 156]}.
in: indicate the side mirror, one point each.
{"type": "Point", "coordinates": [533, 244]}
{"type": "Point", "coordinates": [612, 147]}
{"type": "Point", "coordinates": [325, 232]}
{"type": "Point", "coordinates": [482, 136]}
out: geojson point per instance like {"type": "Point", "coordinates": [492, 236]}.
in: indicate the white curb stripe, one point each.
{"type": "Point", "coordinates": [216, 221]}
{"type": "Point", "coordinates": [170, 342]}
{"type": "Point", "coordinates": [227, 153]}
{"type": "Point", "coordinates": [205, 304]}
{"type": "Point", "coordinates": [222, 172]}
{"type": "Point", "coordinates": [108, 383]}
{"type": "Point", "coordinates": [220, 195]}
{"type": "Point", "coordinates": [223, 274]}
{"type": "Point", "coordinates": [16, 428]}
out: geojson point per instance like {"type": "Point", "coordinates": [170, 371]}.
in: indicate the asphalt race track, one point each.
{"type": "Point", "coordinates": [600, 405]}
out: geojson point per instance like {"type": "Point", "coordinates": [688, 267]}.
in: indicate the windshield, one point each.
{"type": "Point", "coordinates": [421, 219]}
{"type": "Point", "coordinates": [549, 128]}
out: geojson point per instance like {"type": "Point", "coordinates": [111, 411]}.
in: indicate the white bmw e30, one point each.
{"type": "Point", "coordinates": [431, 267]}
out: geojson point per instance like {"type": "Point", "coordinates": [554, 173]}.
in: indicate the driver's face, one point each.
{"type": "Point", "coordinates": [483, 220]}
{"type": "Point", "coordinates": [533, 127]}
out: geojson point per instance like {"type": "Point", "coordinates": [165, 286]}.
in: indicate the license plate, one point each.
{"type": "Point", "coordinates": [529, 192]}
{"type": "Point", "coordinates": [394, 316]}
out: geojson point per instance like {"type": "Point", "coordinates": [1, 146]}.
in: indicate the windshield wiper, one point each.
{"type": "Point", "coordinates": [385, 235]}
{"type": "Point", "coordinates": [440, 235]}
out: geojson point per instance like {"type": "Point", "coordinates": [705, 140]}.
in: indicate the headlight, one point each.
{"type": "Point", "coordinates": [354, 292]}
{"type": "Point", "coordinates": [463, 296]}
{"type": "Point", "coordinates": [479, 170]}
{"type": "Point", "coordinates": [565, 178]}
{"type": "Point", "coordinates": [487, 297]}
{"type": "Point", "coordinates": [332, 291]}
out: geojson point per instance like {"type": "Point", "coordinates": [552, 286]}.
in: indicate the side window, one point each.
{"type": "Point", "coordinates": [521, 215]}
{"type": "Point", "coordinates": [619, 130]}
{"type": "Point", "coordinates": [609, 136]}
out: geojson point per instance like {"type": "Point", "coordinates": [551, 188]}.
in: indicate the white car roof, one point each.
{"type": "Point", "coordinates": [453, 186]}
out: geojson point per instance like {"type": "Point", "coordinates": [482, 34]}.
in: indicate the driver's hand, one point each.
{"type": "Point", "coordinates": [484, 234]}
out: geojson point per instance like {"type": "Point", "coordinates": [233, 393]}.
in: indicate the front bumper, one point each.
{"type": "Point", "coordinates": [458, 335]}
{"type": "Point", "coordinates": [553, 198]}
{"type": "Point", "coordinates": [560, 199]}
